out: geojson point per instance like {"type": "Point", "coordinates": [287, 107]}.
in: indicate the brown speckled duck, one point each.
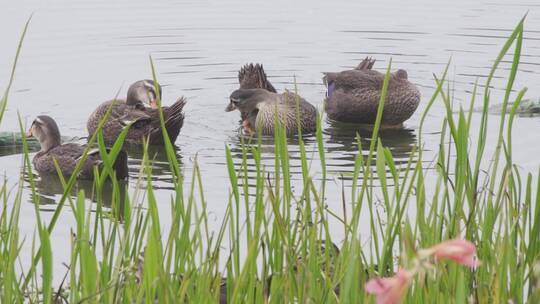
{"type": "Point", "coordinates": [258, 101]}
{"type": "Point", "coordinates": [353, 96]}
{"type": "Point", "coordinates": [45, 129]}
{"type": "Point", "coordinates": [145, 120]}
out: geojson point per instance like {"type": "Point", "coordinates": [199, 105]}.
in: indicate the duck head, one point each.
{"type": "Point", "coordinates": [46, 131]}
{"type": "Point", "coordinates": [143, 92]}
{"type": "Point", "coordinates": [401, 74]}
{"type": "Point", "coordinates": [247, 100]}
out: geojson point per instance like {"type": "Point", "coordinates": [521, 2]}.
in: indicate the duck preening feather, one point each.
{"type": "Point", "coordinates": [260, 104]}
{"type": "Point", "coordinates": [145, 121]}
{"type": "Point", "coordinates": [261, 108]}
{"type": "Point", "coordinates": [353, 96]}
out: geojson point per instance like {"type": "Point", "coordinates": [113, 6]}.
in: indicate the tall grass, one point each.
{"type": "Point", "coordinates": [278, 239]}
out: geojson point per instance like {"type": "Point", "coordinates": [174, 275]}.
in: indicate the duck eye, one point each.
{"type": "Point", "coordinates": [235, 100]}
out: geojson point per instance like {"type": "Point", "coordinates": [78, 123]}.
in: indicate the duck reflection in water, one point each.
{"type": "Point", "coordinates": [49, 187]}
{"type": "Point", "coordinates": [239, 143]}
{"type": "Point", "coordinates": [341, 141]}
{"type": "Point", "coordinates": [49, 190]}
{"type": "Point", "coordinates": [343, 137]}
{"type": "Point", "coordinates": [162, 177]}
{"type": "Point", "coordinates": [340, 146]}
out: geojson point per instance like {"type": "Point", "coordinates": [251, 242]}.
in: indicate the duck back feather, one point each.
{"type": "Point", "coordinates": [353, 95]}
{"type": "Point", "coordinates": [289, 108]}
{"type": "Point", "coordinates": [68, 155]}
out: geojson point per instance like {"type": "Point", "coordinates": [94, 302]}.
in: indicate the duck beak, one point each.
{"type": "Point", "coordinates": [154, 104]}
{"type": "Point", "coordinates": [29, 134]}
{"type": "Point", "coordinates": [230, 107]}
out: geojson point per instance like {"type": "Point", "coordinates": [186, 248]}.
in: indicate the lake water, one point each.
{"type": "Point", "coordinates": [78, 54]}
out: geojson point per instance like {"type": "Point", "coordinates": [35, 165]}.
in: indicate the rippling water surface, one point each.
{"type": "Point", "coordinates": [80, 53]}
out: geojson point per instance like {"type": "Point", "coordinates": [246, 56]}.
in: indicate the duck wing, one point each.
{"type": "Point", "coordinates": [297, 104]}
{"type": "Point", "coordinates": [95, 118]}
{"type": "Point", "coordinates": [366, 64]}
{"type": "Point", "coordinates": [359, 79]}
{"type": "Point", "coordinates": [65, 155]}
{"type": "Point", "coordinates": [123, 115]}
{"type": "Point", "coordinates": [94, 159]}
{"type": "Point", "coordinates": [68, 155]}
{"type": "Point", "coordinates": [120, 115]}
{"type": "Point", "coordinates": [138, 118]}
{"type": "Point", "coordinates": [285, 107]}
{"type": "Point", "coordinates": [351, 80]}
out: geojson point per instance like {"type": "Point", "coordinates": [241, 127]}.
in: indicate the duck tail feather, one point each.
{"type": "Point", "coordinates": [252, 76]}
{"type": "Point", "coordinates": [173, 126]}
{"type": "Point", "coordinates": [174, 120]}
{"type": "Point", "coordinates": [176, 107]}
{"type": "Point", "coordinates": [366, 64]}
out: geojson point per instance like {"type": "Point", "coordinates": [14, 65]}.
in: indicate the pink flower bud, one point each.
{"type": "Point", "coordinates": [461, 251]}
{"type": "Point", "coordinates": [389, 290]}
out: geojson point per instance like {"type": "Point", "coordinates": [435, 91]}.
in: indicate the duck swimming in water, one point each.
{"type": "Point", "coordinates": [46, 131]}
{"type": "Point", "coordinates": [145, 120]}
{"type": "Point", "coordinates": [259, 104]}
{"type": "Point", "coordinates": [353, 96]}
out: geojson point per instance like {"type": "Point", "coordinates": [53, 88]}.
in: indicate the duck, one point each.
{"type": "Point", "coordinates": [46, 131]}
{"type": "Point", "coordinates": [145, 121]}
{"type": "Point", "coordinates": [353, 96]}
{"type": "Point", "coordinates": [259, 104]}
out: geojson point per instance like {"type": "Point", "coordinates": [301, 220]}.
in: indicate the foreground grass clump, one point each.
{"type": "Point", "coordinates": [278, 240]}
